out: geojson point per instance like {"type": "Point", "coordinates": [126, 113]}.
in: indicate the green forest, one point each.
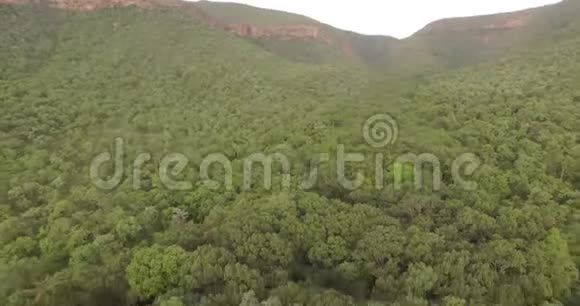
{"type": "Point", "coordinates": [72, 82]}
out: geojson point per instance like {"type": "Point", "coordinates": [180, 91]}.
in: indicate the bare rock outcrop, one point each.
{"type": "Point", "coordinates": [500, 22]}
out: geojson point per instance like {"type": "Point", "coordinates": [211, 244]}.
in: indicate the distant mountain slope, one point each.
{"type": "Point", "coordinates": [235, 13]}
{"type": "Point", "coordinates": [443, 44]}
{"type": "Point", "coordinates": [451, 42]}
{"type": "Point", "coordinates": [461, 41]}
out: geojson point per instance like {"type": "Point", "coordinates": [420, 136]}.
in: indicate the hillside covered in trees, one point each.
{"type": "Point", "coordinates": [150, 82]}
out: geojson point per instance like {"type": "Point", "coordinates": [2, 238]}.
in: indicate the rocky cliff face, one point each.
{"type": "Point", "coordinates": [295, 32]}
{"type": "Point", "coordinates": [500, 22]}
{"type": "Point", "coordinates": [284, 32]}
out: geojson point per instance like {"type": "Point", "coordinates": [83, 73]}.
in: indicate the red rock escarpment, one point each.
{"type": "Point", "coordinates": [293, 32]}
{"type": "Point", "coordinates": [502, 22]}
{"type": "Point", "coordinates": [284, 32]}
{"type": "Point", "coordinates": [298, 32]}
{"type": "Point", "coordinates": [486, 29]}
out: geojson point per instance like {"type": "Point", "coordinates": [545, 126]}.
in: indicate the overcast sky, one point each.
{"type": "Point", "coordinates": [398, 18]}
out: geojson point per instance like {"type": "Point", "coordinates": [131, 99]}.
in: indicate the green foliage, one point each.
{"type": "Point", "coordinates": [70, 82]}
{"type": "Point", "coordinates": [155, 270]}
{"type": "Point", "coordinates": [243, 14]}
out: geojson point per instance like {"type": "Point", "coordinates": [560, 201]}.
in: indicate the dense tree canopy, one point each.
{"type": "Point", "coordinates": [72, 82]}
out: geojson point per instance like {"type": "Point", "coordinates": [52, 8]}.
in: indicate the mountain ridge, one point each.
{"type": "Point", "coordinates": [472, 38]}
{"type": "Point", "coordinates": [503, 21]}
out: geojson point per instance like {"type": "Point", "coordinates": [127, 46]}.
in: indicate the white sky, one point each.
{"type": "Point", "coordinates": [398, 18]}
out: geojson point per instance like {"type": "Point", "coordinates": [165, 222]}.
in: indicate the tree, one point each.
{"type": "Point", "coordinates": [155, 269]}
